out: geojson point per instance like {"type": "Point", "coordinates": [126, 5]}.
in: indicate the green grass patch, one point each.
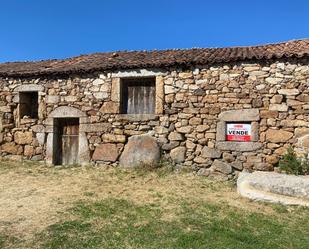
{"type": "Point", "coordinates": [118, 223]}
{"type": "Point", "coordinates": [9, 241]}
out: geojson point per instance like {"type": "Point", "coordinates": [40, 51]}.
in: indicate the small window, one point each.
{"type": "Point", "coordinates": [28, 105]}
{"type": "Point", "coordinates": [138, 96]}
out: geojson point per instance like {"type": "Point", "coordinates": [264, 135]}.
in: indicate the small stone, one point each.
{"type": "Point", "coordinates": [23, 137]}
{"type": "Point", "coordinates": [278, 136]}
{"type": "Point", "coordinates": [200, 160]}
{"type": "Point", "coordinates": [257, 103]}
{"type": "Point", "coordinates": [269, 114]}
{"type": "Point", "coordinates": [202, 128]}
{"type": "Point", "coordinates": [195, 121]}
{"type": "Point", "coordinates": [278, 107]}
{"type": "Point", "coordinates": [28, 151]}
{"type": "Point", "coordinates": [272, 159]}
{"type": "Point", "coordinates": [70, 98]}
{"type": "Point", "coordinates": [199, 92]}
{"type": "Point", "coordinates": [178, 154]}
{"type": "Point", "coordinates": [175, 136]}
{"type": "Point", "coordinates": [276, 99]}
{"type": "Point", "coordinates": [52, 99]}
{"type": "Point", "coordinates": [237, 165]}
{"type": "Point", "coordinates": [170, 146]}
{"type": "Point", "coordinates": [289, 92]}
{"type": "Point", "coordinates": [210, 153]}
{"type": "Point", "coordinates": [11, 148]}
{"type": "Point", "coordinates": [228, 157]}
{"type": "Point", "coordinates": [98, 82]}
{"type": "Point", "coordinates": [222, 167]}
{"type": "Point", "coordinates": [251, 68]}
{"type": "Point", "coordinates": [113, 138]}
{"type": "Point", "coordinates": [110, 107]}
{"type": "Point", "coordinates": [260, 87]}
{"type": "Point", "coordinates": [300, 132]}
{"type": "Point", "coordinates": [169, 89]}
{"type": "Point", "coordinates": [274, 81]}
{"type": "Point", "coordinates": [106, 152]}
{"type": "Point", "coordinates": [204, 172]}
{"type": "Point", "coordinates": [185, 129]}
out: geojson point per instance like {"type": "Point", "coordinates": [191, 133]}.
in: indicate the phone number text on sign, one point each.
{"type": "Point", "coordinates": [238, 132]}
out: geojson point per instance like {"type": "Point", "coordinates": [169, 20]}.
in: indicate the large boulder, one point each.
{"type": "Point", "coordinates": [140, 150]}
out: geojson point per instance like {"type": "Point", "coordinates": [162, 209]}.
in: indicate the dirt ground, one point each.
{"type": "Point", "coordinates": [35, 196]}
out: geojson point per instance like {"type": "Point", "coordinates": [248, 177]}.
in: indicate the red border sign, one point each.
{"type": "Point", "coordinates": [238, 132]}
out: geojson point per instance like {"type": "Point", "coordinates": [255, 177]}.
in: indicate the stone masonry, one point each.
{"type": "Point", "coordinates": [193, 104]}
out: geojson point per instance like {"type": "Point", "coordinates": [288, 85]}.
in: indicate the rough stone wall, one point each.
{"type": "Point", "coordinates": [190, 121]}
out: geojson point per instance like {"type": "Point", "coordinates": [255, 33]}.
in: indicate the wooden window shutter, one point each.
{"type": "Point", "coordinates": [138, 96]}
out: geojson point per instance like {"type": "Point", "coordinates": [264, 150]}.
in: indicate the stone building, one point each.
{"type": "Point", "coordinates": [217, 110]}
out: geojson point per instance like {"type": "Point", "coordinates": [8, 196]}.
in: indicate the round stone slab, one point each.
{"type": "Point", "coordinates": [274, 187]}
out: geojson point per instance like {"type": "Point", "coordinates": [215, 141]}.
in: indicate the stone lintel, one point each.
{"type": "Point", "coordinates": [66, 112]}
{"type": "Point", "coordinates": [29, 88]}
{"type": "Point", "coordinates": [238, 146]}
{"type": "Point", "coordinates": [242, 115]}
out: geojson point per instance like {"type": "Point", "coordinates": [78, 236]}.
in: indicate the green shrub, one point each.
{"type": "Point", "coordinates": [291, 164]}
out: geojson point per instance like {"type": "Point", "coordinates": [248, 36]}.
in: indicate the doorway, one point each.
{"type": "Point", "coordinates": [65, 142]}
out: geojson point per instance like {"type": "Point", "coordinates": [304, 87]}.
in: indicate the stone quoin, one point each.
{"type": "Point", "coordinates": [91, 108]}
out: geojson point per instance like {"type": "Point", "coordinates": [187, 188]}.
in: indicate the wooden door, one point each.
{"type": "Point", "coordinates": [66, 141]}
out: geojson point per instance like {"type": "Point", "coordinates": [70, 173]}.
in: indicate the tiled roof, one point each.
{"type": "Point", "coordinates": [154, 59]}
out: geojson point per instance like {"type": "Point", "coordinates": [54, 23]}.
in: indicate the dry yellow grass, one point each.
{"type": "Point", "coordinates": [34, 196]}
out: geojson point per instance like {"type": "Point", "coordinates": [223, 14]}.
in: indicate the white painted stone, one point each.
{"type": "Point", "coordinates": [291, 92]}
{"type": "Point", "coordinates": [240, 115]}
{"type": "Point", "coordinates": [138, 73]}
{"type": "Point", "coordinates": [66, 112]}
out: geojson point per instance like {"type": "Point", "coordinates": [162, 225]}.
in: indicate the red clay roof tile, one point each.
{"type": "Point", "coordinates": [151, 59]}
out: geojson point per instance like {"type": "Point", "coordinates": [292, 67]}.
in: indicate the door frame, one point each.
{"type": "Point", "coordinates": [83, 146]}
{"type": "Point", "coordinates": [59, 153]}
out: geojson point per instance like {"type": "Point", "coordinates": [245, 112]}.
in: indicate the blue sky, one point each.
{"type": "Point", "coordinates": [42, 29]}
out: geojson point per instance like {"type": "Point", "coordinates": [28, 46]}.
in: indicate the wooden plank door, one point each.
{"type": "Point", "coordinates": [70, 131]}
{"type": "Point", "coordinates": [67, 141]}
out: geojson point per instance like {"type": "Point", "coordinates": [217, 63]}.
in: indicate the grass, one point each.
{"type": "Point", "coordinates": [137, 209]}
{"type": "Point", "coordinates": [118, 223]}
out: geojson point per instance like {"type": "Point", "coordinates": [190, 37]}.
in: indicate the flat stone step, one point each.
{"type": "Point", "coordinates": [274, 187]}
